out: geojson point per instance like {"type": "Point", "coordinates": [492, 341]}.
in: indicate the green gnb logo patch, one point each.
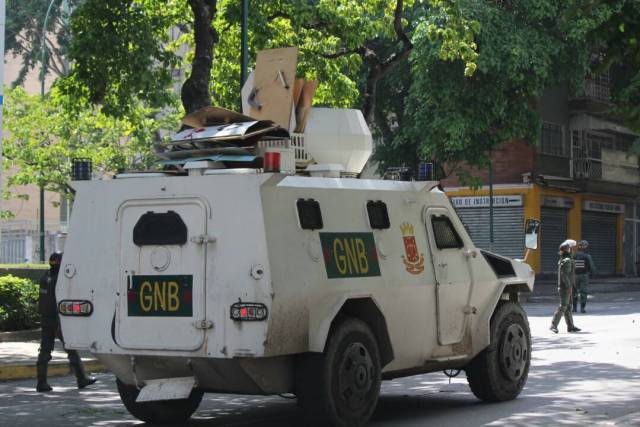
{"type": "Point", "coordinates": [349, 255]}
{"type": "Point", "coordinates": [160, 296]}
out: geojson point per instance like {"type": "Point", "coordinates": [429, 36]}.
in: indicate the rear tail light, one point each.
{"type": "Point", "coordinates": [75, 308]}
{"type": "Point", "coordinates": [248, 311]}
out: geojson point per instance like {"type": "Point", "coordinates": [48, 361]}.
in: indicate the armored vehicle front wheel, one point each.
{"type": "Point", "coordinates": [160, 412]}
{"type": "Point", "coordinates": [500, 371]}
{"type": "Point", "coordinates": [341, 386]}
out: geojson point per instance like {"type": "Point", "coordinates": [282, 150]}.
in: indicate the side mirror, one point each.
{"type": "Point", "coordinates": [531, 228]}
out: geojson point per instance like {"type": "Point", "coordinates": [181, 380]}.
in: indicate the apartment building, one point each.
{"type": "Point", "coordinates": [580, 180]}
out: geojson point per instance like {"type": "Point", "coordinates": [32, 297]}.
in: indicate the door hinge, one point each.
{"type": "Point", "coordinates": [203, 324]}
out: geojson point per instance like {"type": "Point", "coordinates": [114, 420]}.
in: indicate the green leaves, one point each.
{"type": "Point", "coordinates": [121, 53]}
{"type": "Point", "coordinates": [42, 138]}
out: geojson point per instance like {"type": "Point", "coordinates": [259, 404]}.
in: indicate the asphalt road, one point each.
{"type": "Point", "coordinates": [589, 378]}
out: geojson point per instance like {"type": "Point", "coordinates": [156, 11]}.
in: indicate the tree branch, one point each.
{"type": "Point", "coordinates": [343, 52]}
{"type": "Point", "coordinates": [380, 68]}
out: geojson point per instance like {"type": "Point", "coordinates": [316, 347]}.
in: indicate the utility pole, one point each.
{"type": "Point", "coordinates": [2, 27]}
{"type": "Point", "coordinates": [490, 202]}
{"type": "Point", "coordinates": [43, 74]}
{"type": "Point", "coordinates": [244, 46]}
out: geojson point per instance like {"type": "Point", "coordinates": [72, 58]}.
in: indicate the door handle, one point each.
{"type": "Point", "coordinates": [470, 253]}
{"type": "Point", "coordinates": [203, 239]}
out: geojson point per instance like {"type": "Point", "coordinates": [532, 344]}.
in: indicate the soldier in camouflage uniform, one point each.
{"type": "Point", "coordinates": [50, 324]}
{"type": "Point", "coordinates": [584, 268]}
{"type": "Point", "coordinates": [565, 285]}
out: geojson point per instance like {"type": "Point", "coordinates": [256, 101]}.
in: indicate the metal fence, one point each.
{"type": "Point", "coordinates": [21, 242]}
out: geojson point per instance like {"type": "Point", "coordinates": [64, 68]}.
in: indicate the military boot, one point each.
{"type": "Point", "coordinates": [42, 386]}
{"type": "Point", "coordinates": [76, 366]}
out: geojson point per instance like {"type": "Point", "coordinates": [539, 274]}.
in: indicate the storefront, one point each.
{"type": "Point", "coordinates": [600, 229]}
{"type": "Point", "coordinates": [554, 217]}
{"type": "Point", "coordinates": [563, 214]}
{"type": "Point", "coordinates": [508, 217]}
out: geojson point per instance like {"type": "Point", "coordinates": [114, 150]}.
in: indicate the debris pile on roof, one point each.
{"type": "Point", "coordinates": [274, 103]}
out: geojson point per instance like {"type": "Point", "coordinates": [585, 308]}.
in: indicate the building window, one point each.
{"type": "Point", "coordinates": [552, 140]}
{"type": "Point", "coordinates": [444, 233]}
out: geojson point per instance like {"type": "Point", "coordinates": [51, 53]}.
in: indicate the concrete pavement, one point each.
{"type": "Point", "coordinates": [586, 379]}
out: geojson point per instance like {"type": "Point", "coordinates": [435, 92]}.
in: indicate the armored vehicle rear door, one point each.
{"type": "Point", "coordinates": [162, 278]}
{"type": "Point", "coordinates": [453, 280]}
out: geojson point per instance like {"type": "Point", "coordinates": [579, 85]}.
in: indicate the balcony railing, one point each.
{"type": "Point", "coordinates": [590, 168]}
{"type": "Point", "coordinates": [597, 87]}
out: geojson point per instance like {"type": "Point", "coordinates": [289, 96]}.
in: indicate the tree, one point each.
{"type": "Point", "coordinates": [333, 36]}
{"type": "Point", "coordinates": [524, 47]}
{"type": "Point", "coordinates": [42, 138]}
{"type": "Point", "coordinates": [121, 54]}
{"type": "Point", "coordinates": [23, 38]}
{"type": "Point", "coordinates": [349, 46]}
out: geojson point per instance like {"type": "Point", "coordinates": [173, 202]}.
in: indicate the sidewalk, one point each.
{"type": "Point", "coordinates": [545, 289]}
{"type": "Point", "coordinates": [18, 360]}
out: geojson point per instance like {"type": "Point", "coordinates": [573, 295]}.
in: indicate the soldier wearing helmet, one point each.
{"type": "Point", "coordinates": [584, 267]}
{"type": "Point", "coordinates": [565, 285]}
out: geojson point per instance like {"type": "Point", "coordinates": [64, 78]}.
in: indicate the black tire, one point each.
{"type": "Point", "coordinates": [162, 411]}
{"type": "Point", "coordinates": [500, 371]}
{"type": "Point", "coordinates": [340, 387]}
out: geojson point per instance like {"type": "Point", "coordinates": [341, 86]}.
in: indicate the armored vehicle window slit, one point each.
{"type": "Point", "coordinates": [160, 229]}
{"type": "Point", "coordinates": [309, 214]}
{"type": "Point", "coordinates": [445, 234]}
{"type": "Point", "coordinates": [378, 215]}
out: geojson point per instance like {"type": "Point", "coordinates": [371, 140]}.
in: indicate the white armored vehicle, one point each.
{"type": "Point", "coordinates": [235, 280]}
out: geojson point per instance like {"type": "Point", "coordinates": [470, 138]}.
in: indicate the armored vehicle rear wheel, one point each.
{"type": "Point", "coordinates": [341, 386]}
{"type": "Point", "coordinates": [160, 412]}
{"type": "Point", "coordinates": [500, 371]}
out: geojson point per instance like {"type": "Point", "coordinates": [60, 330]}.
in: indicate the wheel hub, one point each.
{"type": "Point", "coordinates": [355, 376]}
{"type": "Point", "coordinates": [514, 352]}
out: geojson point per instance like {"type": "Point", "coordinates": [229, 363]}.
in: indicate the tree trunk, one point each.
{"type": "Point", "coordinates": [370, 92]}
{"type": "Point", "coordinates": [195, 90]}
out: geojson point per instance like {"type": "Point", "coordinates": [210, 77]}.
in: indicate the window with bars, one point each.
{"type": "Point", "coordinates": [445, 234]}
{"type": "Point", "coordinates": [552, 140]}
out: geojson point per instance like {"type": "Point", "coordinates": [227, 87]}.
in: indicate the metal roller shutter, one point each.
{"type": "Point", "coordinates": [600, 230]}
{"type": "Point", "coordinates": [553, 231]}
{"type": "Point", "coordinates": [508, 229]}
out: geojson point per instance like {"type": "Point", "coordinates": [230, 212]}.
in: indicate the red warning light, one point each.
{"type": "Point", "coordinates": [243, 312]}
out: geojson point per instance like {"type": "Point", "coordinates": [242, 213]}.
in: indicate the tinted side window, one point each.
{"type": "Point", "coordinates": [378, 214]}
{"type": "Point", "coordinates": [309, 214]}
{"type": "Point", "coordinates": [444, 233]}
{"type": "Point", "coordinates": [160, 229]}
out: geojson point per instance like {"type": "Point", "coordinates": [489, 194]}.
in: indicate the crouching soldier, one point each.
{"type": "Point", "coordinates": [565, 285]}
{"type": "Point", "coordinates": [50, 324]}
{"type": "Point", "coordinates": [584, 268]}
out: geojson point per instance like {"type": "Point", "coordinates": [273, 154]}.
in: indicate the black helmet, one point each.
{"type": "Point", "coordinates": [55, 258]}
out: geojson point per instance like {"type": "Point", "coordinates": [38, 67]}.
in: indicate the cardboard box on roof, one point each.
{"type": "Point", "coordinates": [273, 85]}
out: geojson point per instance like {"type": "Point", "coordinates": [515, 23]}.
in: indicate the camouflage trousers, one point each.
{"type": "Point", "coordinates": [564, 309]}
{"type": "Point", "coordinates": [581, 290]}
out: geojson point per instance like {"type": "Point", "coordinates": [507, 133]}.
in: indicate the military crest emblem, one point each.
{"type": "Point", "coordinates": [412, 258]}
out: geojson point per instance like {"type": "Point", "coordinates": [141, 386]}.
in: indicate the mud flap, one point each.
{"type": "Point", "coordinates": [166, 389]}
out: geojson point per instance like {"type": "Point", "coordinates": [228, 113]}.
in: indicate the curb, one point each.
{"type": "Point", "coordinates": [20, 336]}
{"type": "Point", "coordinates": [17, 371]}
